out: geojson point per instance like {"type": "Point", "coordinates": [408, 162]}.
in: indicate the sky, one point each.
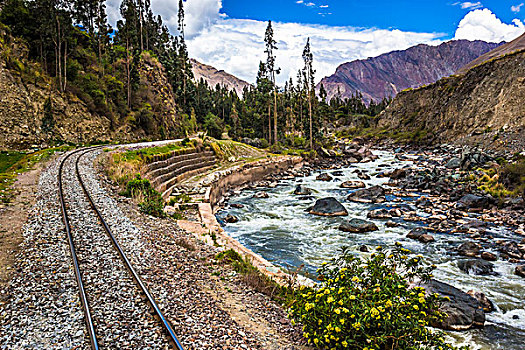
{"type": "Point", "coordinates": [229, 34]}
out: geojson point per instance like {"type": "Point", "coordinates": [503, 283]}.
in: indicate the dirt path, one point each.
{"type": "Point", "coordinates": [12, 218]}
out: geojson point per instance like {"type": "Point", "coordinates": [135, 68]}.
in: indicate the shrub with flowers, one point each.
{"type": "Point", "coordinates": [369, 303]}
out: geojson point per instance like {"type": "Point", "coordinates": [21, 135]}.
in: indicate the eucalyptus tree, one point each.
{"type": "Point", "coordinates": [308, 76]}
{"type": "Point", "coordinates": [272, 72]}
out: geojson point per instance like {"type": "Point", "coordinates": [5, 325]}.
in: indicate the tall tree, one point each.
{"type": "Point", "coordinates": [272, 71]}
{"type": "Point", "coordinates": [308, 74]}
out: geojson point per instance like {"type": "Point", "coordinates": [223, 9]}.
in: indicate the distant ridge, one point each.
{"type": "Point", "coordinates": [214, 76]}
{"type": "Point", "coordinates": [515, 45]}
{"type": "Point", "coordinates": [388, 74]}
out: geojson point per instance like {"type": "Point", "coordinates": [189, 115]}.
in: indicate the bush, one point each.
{"type": "Point", "coordinates": [151, 201]}
{"type": "Point", "coordinates": [369, 304]}
{"type": "Point", "coordinates": [513, 177]}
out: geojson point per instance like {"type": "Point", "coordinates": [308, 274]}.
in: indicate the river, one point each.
{"type": "Point", "coordinates": [279, 229]}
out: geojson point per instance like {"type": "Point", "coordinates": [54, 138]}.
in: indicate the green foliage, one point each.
{"type": "Point", "coordinates": [214, 126]}
{"type": "Point", "coordinates": [368, 303]}
{"type": "Point", "coordinates": [513, 176]}
{"type": "Point", "coordinates": [151, 201]}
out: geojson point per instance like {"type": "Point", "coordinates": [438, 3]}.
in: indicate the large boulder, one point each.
{"type": "Point", "coordinates": [511, 249]}
{"type": "Point", "coordinates": [462, 310]}
{"type": "Point", "coordinates": [469, 249]}
{"type": "Point", "coordinates": [398, 174]}
{"type": "Point", "coordinates": [471, 201]}
{"type": "Point", "coordinates": [231, 219]}
{"type": "Point", "coordinates": [374, 194]}
{"type": "Point", "coordinates": [300, 190]}
{"type": "Point", "coordinates": [353, 185]}
{"type": "Point", "coordinates": [358, 226]}
{"type": "Point", "coordinates": [476, 267]}
{"type": "Point", "coordinates": [328, 207]}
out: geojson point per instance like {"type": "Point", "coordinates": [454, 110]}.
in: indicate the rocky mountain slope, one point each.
{"type": "Point", "coordinates": [214, 76]}
{"type": "Point", "coordinates": [33, 113]}
{"type": "Point", "coordinates": [513, 46]}
{"type": "Point", "coordinates": [390, 73]}
{"type": "Point", "coordinates": [483, 106]}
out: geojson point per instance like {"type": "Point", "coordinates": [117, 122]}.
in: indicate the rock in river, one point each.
{"type": "Point", "coordinates": [261, 194]}
{"type": "Point", "coordinates": [353, 184]}
{"type": "Point", "coordinates": [300, 190]}
{"type": "Point", "coordinates": [469, 249]}
{"type": "Point", "coordinates": [471, 201]}
{"type": "Point", "coordinates": [520, 270]}
{"type": "Point", "coordinates": [328, 207]}
{"type": "Point", "coordinates": [231, 219]}
{"type": "Point", "coordinates": [421, 235]}
{"type": "Point", "coordinates": [485, 302]}
{"type": "Point", "coordinates": [463, 311]}
{"type": "Point", "coordinates": [374, 194]}
{"type": "Point", "coordinates": [324, 177]}
{"type": "Point", "coordinates": [488, 256]}
{"type": "Point", "coordinates": [476, 267]}
{"type": "Point", "coordinates": [358, 226]}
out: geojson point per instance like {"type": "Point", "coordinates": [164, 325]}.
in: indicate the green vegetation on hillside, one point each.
{"type": "Point", "coordinates": [118, 73]}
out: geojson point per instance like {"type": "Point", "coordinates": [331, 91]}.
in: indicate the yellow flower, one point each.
{"type": "Point", "coordinates": [388, 303]}
{"type": "Point", "coordinates": [355, 279]}
{"type": "Point", "coordinates": [316, 341]}
{"type": "Point", "coordinates": [340, 302]}
{"type": "Point", "coordinates": [352, 316]}
{"type": "Point", "coordinates": [342, 320]}
{"type": "Point", "coordinates": [343, 269]}
{"type": "Point", "coordinates": [337, 311]}
{"type": "Point", "coordinates": [345, 310]}
{"type": "Point", "coordinates": [356, 325]}
{"type": "Point", "coordinates": [352, 297]}
{"type": "Point", "coordinates": [330, 300]}
{"type": "Point", "coordinates": [344, 343]}
{"type": "Point", "coordinates": [416, 307]}
{"type": "Point", "coordinates": [337, 329]}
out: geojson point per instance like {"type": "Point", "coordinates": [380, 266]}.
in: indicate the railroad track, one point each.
{"type": "Point", "coordinates": [90, 250]}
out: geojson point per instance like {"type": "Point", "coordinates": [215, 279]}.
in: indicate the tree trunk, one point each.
{"type": "Point", "coordinates": [275, 115]}
{"type": "Point", "coordinates": [128, 73]}
{"type": "Point", "coordinates": [310, 115]}
{"type": "Point", "coordinates": [65, 66]}
{"type": "Point", "coordinates": [269, 123]}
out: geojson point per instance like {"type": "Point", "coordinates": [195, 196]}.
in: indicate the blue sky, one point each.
{"type": "Point", "coordinates": [229, 34]}
{"type": "Point", "coordinates": [422, 16]}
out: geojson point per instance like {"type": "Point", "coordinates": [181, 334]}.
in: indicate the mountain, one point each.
{"type": "Point", "coordinates": [482, 106]}
{"type": "Point", "coordinates": [390, 73]}
{"type": "Point", "coordinates": [515, 45]}
{"type": "Point", "coordinates": [214, 76]}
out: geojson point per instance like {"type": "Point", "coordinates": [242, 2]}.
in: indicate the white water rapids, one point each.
{"type": "Point", "coordinates": [279, 229]}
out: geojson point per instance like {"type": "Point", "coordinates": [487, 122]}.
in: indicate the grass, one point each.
{"type": "Point", "coordinates": [14, 163]}
{"type": "Point", "coordinates": [254, 278]}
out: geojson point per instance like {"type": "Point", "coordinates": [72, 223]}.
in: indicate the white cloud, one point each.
{"type": "Point", "coordinates": [236, 45]}
{"type": "Point", "coordinates": [470, 5]}
{"type": "Point", "coordinates": [484, 25]}
{"type": "Point", "coordinates": [198, 13]}
{"type": "Point", "coordinates": [516, 8]}
{"type": "Point", "coordinates": [324, 6]}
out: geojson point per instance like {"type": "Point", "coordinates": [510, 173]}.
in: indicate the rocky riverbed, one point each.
{"type": "Point", "coordinates": [419, 198]}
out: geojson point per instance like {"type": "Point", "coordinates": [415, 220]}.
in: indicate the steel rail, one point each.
{"type": "Point", "coordinates": [65, 218]}
{"type": "Point", "coordinates": [166, 325]}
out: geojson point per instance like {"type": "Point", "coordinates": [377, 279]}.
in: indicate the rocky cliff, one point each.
{"type": "Point", "coordinates": [484, 105]}
{"type": "Point", "coordinates": [33, 113]}
{"type": "Point", "coordinates": [214, 76]}
{"type": "Point", "coordinates": [390, 73]}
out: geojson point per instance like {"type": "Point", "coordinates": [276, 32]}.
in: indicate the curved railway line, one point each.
{"type": "Point", "coordinates": [83, 283]}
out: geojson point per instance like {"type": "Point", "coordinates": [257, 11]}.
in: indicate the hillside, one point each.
{"type": "Point", "coordinates": [485, 105]}
{"type": "Point", "coordinates": [390, 73]}
{"type": "Point", "coordinates": [214, 76]}
{"type": "Point", "coordinates": [34, 114]}
{"type": "Point", "coordinates": [515, 45]}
